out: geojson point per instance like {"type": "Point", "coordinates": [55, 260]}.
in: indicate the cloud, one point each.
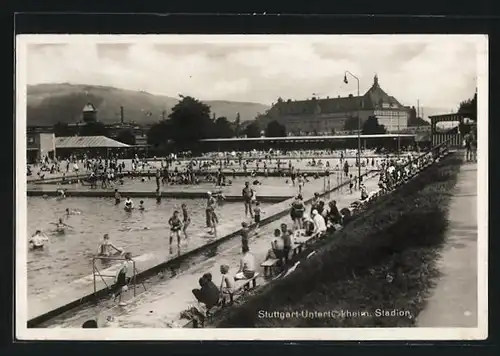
{"type": "Point", "coordinates": [440, 70]}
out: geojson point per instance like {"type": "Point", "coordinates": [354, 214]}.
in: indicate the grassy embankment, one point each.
{"type": "Point", "coordinates": [384, 259]}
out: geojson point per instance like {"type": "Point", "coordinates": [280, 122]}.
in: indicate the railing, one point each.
{"type": "Point", "coordinates": [403, 172]}
{"type": "Point", "coordinates": [96, 272]}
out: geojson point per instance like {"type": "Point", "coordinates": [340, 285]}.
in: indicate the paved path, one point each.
{"type": "Point", "coordinates": [454, 302]}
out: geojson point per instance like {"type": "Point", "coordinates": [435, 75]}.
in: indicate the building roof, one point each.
{"type": "Point", "coordinates": [306, 138]}
{"type": "Point", "coordinates": [88, 142]}
{"type": "Point", "coordinates": [372, 99]}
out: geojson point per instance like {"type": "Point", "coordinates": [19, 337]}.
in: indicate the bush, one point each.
{"type": "Point", "coordinates": [385, 258]}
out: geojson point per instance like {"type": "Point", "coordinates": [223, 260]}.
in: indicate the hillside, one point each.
{"type": "Point", "coordinates": [52, 103]}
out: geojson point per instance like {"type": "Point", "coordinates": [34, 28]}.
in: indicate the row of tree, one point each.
{"type": "Point", "coordinates": [190, 121]}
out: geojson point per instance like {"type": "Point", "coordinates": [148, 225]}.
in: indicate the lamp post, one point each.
{"type": "Point", "coordinates": [359, 125]}
{"type": "Point", "coordinates": [399, 129]}
{"type": "Point", "coordinates": [399, 137]}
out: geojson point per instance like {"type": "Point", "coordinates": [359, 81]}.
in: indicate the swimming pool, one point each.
{"type": "Point", "coordinates": [69, 256]}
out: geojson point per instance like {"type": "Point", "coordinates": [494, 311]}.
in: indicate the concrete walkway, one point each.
{"type": "Point", "coordinates": [454, 302]}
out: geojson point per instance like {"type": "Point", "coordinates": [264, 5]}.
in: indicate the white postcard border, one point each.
{"type": "Point", "coordinates": [20, 317]}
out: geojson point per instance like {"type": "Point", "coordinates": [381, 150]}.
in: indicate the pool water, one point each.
{"type": "Point", "coordinates": [68, 256]}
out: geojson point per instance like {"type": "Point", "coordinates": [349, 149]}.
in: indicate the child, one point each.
{"type": "Point", "coordinates": [175, 228]}
{"type": "Point", "coordinates": [364, 194]}
{"type": "Point", "coordinates": [158, 196]}
{"type": "Point", "coordinates": [256, 214]}
{"type": "Point", "coordinates": [351, 183]}
{"type": "Point", "coordinates": [286, 236]}
{"type": "Point", "coordinates": [141, 205]}
{"type": "Point", "coordinates": [227, 284]}
{"type": "Point", "coordinates": [117, 197]}
{"type": "Point", "coordinates": [245, 235]}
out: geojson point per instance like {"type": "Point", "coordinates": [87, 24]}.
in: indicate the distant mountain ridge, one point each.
{"type": "Point", "coordinates": [48, 104]}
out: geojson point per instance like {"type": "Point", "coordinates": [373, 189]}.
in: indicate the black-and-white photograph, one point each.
{"type": "Point", "coordinates": [251, 187]}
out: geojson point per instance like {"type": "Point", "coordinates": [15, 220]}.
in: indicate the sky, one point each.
{"type": "Point", "coordinates": [439, 71]}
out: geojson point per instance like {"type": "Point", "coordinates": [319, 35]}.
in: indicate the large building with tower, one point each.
{"type": "Point", "coordinates": [318, 116]}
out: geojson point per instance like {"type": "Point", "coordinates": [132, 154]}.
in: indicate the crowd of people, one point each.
{"type": "Point", "coordinates": [320, 218]}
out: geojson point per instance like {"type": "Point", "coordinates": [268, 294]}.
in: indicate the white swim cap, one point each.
{"type": "Point", "coordinates": [209, 193]}
{"type": "Point", "coordinates": [314, 212]}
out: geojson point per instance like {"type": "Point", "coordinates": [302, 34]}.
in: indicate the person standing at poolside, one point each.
{"type": "Point", "coordinates": [247, 194]}
{"type": "Point", "coordinates": [212, 219]}
{"type": "Point", "coordinates": [186, 220]}
{"type": "Point", "coordinates": [175, 229]}
{"type": "Point", "coordinates": [286, 236]}
{"type": "Point", "coordinates": [227, 284]}
{"type": "Point", "coordinates": [158, 176]}
{"type": "Point", "coordinates": [297, 211]}
{"type": "Point", "coordinates": [123, 278]}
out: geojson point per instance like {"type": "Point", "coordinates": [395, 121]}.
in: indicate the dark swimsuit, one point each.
{"type": "Point", "coordinates": [175, 224]}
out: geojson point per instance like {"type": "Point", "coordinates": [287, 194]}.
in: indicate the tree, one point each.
{"type": "Point", "coordinates": [222, 128]}
{"type": "Point", "coordinates": [469, 108]}
{"type": "Point", "coordinates": [252, 130]}
{"type": "Point", "coordinates": [275, 129]}
{"type": "Point", "coordinates": [62, 129]}
{"type": "Point", "coordinates": [237, 125]}
{"type": "Point", "coordinates": [372, 127]}
{"type": "Point", "coordinates": [190, 121]}
{"type": "Point", "coordinates": [126, 136]}
{"type": "Point", "coordinates": [93, 128]}
{"type": "Point", "coordinates": [351, 124]}
{"type": "Point", "coordinates": [159, 133]}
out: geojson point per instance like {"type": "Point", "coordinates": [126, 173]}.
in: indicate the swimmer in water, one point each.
{"type": "Point", "coordinates": [141, 205]}
{"type": "Point", "coordinates": [105, 248]}
{"type": "Point", "coordinates": [61, 194]}
{"type": "Point", "coordinates": [60, 225]}
{"type": "Point", "coordinates": [72, 212]}
{"type": "Point", "coordinates": [129, 204]}
{"type": "Point", "coordinates": [38, 240]}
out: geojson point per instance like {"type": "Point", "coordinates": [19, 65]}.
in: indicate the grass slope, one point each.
{"type": "Point", "coordinates": [52, 103]}
{"type": "Point", "coordinates": [385, 259]}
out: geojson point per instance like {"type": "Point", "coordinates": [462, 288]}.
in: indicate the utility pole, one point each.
{"type": "Point", "coordinates": [418, 108]}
